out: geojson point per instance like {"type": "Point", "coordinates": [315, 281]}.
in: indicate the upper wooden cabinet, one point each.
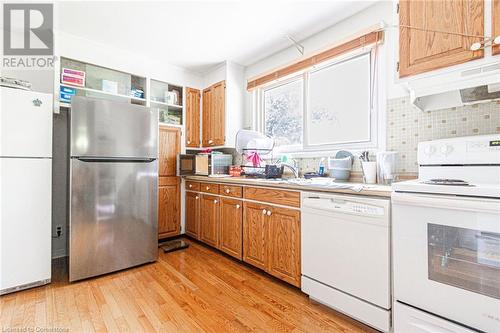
{"type": "Point", "coordinates": [214, 110]}
{"type": "Point", "coordinates": [422, 51]}
{"type": "Point", "coordinates": [193, 98]}
{"type": "Point", "coordinates": [169, 142]}
{"type": "Point", "coordinates": [206, 132]}
{"type": "Point", "coordinates": [495, 29]}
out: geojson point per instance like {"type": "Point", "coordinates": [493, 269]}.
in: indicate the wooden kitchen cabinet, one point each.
{"type": "Point", "coordinates": [193, 214]}
{"type": "Point", "coordinates": [255, 235]}
{"type": "Point", "coordinates": [169, 145]}
{"type": "Point", "coordinates": [495, 29]}
{"type": "Point", "coordinates": [209, 219]}
{"type": "Point", "coordinates": [231, 227]}
{"type": "Point", "coordinates": [169, 200]}
{"type": "Point", "coordinates": [423, 51]}
{"type": "Point", "coordinates": [169, 219]}
{"type": "Point", "coordinates": [214, 110]}
{"type": "Point", "coordinates": [284, 244]}
{"type": "Point", "coordinates": [206, 131]}
{"type": "Point", "coordinates": [271, 240]}
{"type": "Point", "coordinates": [193, 97]}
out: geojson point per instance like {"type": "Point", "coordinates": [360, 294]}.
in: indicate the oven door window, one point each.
{"type": "Point", "coordinates": [464, 258]}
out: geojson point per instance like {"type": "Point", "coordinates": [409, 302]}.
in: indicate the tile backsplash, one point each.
{"type": "Point", "coordinates": [407, 125]}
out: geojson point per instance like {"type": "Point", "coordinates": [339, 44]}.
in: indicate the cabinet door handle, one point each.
{"type": "Point", "coordinates": [215, 201]}
{"type": "Point", "coordinates": [238, 206]}
{"type": "Point", "coordinates": [210, 141]}
{"type": "Point", "coordinates": [196, 197]}
{"type": "Point", "coordinates": [269, 213]}
{"type": "Point", "coordinates": [264, 212]}
{"type": "Point", "coordinates": [228, 191]}
{"type": "Point", "coordinates": [189, 142]}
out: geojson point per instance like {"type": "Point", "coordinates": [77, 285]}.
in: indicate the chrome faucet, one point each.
{"type": "Point", "coordinates": [294, 169]}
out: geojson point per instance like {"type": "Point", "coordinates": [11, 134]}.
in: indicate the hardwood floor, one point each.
{"type": "Point", "coordinates": [192, 290]}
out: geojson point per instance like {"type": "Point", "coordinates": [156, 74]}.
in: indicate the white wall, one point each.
{"type": "Point", "coordinates": [383, 11]}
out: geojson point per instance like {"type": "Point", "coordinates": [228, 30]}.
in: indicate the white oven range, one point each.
{"type": "Point", "coordinates": [446, 239]}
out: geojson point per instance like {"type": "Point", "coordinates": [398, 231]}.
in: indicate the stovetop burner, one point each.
{"type": "Point", "coordinates": [444, 181]}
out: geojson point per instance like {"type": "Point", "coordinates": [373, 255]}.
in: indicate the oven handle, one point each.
{"type": "Point", "coordinates": [481, 205]}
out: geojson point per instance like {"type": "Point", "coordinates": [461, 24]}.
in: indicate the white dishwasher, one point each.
{"type": "Point", "coordinates": [346, 255]}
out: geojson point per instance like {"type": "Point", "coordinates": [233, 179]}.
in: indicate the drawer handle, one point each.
{"type": "Point", "coordinates": [269, 213]}
{"type": "Point", "coordinates": [215, 201]}
{"type": "Point", "coordinates": [264, 212]}
{"type": "Point", "coordinates": [228, 191]}
{"type": "Point", "coordinates": [208, 188]}
{"type": "Point", "coordinates": [238, 206]}
{"type": "Point", "coordinates": [190, 185]}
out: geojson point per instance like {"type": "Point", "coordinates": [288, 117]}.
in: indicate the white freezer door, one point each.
{"type": "Point", "coordinates": [25, 123]}
{"type": "Point", "coordinates": [25, 221]}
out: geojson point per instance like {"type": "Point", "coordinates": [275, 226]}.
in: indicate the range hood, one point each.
{"type": "Point", "coordinates": [456, 88]}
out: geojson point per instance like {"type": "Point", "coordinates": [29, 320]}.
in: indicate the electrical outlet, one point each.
{"type": "Point", "coordinates": [58, 230]}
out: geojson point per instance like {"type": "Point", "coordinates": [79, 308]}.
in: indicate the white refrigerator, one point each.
{"type": "Point", "coordinates": [25, 189]}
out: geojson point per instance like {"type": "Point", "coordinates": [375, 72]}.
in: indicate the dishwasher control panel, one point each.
{"type": "Point", "coordinates": [355, 207]}
{"type": "Point", "coordinates": [342, 205]}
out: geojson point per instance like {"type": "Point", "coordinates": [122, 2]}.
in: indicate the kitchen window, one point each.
{"type": "Point", "coordinates": [327, 107]}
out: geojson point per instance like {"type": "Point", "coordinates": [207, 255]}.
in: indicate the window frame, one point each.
{"type": "Point", "coordinates": [376, 127]}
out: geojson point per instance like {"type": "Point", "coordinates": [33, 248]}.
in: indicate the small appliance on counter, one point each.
{"type": "Point", "coordinates": [212, 164]}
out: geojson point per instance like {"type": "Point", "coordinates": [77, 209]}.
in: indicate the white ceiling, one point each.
{"type": "Point", "coordinates": [198, 35]}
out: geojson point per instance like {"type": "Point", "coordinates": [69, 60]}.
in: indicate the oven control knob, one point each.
{"type": "Point", "coordinates": [446, 150]}
{"type": "Point", "coordinates": [429, 150]}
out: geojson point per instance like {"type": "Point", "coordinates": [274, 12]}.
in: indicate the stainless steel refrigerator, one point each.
{"type": "Point", "coordinates": [113, 186]}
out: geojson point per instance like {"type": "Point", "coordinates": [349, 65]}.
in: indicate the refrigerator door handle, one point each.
{"type": "Point", "coordinates": [116, 159]}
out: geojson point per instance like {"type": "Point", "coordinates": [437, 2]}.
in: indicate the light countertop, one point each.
{"type": "Point", "coordinates": [367, 189]}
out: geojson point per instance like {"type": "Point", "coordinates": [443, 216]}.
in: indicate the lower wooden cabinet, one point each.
{"type": "Point", "coordinates": [271, 240]}
{"type": "Point", "coordinates": [262, 235]}
{"type": "Point", "coordinates": [169, 218]}
{"type": "Point", "coordinates": [231, 224]}
{"type": "Point", "coordinates": [209, 219]}
{"type": "Point", "coordinates": [284, 244]}
{"type": "Point", "coordinates": [193, 214]}
{"type": "Point", "coordinates": [255, 235]}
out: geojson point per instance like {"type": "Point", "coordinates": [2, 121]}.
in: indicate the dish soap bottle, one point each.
{"type": "Point", "coordinates": [321, 170]}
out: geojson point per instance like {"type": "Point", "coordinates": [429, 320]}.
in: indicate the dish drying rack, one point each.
{"type": "Point", "coordinates": [251, 141]}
